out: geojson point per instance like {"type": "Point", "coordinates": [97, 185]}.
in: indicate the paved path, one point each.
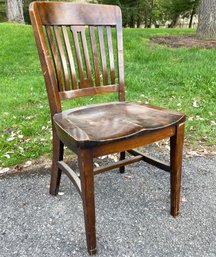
{"type": "Point", "coordinates": [132, 214]}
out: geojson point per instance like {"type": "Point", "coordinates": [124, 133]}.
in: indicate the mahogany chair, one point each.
{"type": "Point", "coordinates": [80, 57]}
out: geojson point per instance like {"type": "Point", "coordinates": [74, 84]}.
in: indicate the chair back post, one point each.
{"type": "Point", "coordinates": [46, 64]}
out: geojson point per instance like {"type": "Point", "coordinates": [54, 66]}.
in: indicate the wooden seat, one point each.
{"type": "Point", "coordinates": [81, 52]}
{"type": "Point", "coordinates": [88, 125]}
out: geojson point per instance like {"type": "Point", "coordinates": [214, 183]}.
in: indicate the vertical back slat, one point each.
{"type": "Point", "coordinates": [56, 61]}
{"type": "Point", "coordinates": [95, 55]}
{"type": "Point", "coordinates": [70, 57]}
{"type": "Point", "coordinates": [62, 57]}
{"type": "Point", "coordinates": [78, 54]}
{"type": "Point", "coordinates": [111, 56]}
{"type": "Point", "coordinates": [120, 62]}
{"type": "Point", "coordinates": [103, 55]}
{"type": "Point", "coordinates": [88, 81]}
{"type": "Point", "coordinates": [67, 52]}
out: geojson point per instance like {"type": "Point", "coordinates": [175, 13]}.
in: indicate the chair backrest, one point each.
{"type": "Point", "coordinates": [80, 48]}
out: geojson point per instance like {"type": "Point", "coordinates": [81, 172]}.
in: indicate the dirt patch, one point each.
{"type": "Point", "coordinates": [184, 41]}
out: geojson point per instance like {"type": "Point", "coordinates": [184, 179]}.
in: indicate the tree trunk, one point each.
{"type": "Point", "coordinates": [14, 9]}
{"type": "Point", "coordinates": [151, 13]}
{"type": "Point", "coordinates": [207, 19]}
{"type": "Point", "coordinates": [132, 21]}
{"type": "Point", "coordinates": [138, 22]}
{"type": "Point", "coordinates": [174, 21]}
{"type": "Point", "coordinates": [191, 17]}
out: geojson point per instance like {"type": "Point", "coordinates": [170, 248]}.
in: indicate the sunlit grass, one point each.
{"type": "Point", "coordinates": [177, 78]}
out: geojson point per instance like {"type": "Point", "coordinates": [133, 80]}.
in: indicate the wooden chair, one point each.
{"type": "Point", "coordinates": [80, 57]}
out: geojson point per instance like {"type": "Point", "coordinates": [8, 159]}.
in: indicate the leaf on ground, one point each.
{"type": "Point", "coordinates": [4, 170]}
{"type": "Point", "coordinates": [103, 157]}
{"type": "Point", "coordinates": [10, 139]}
{"type": "Point", "coordinates": [96, 164]}
{"type": "Point", "coordinates": [29, 117]}
{"type": "Point", "coordinates": [192, 154]}
{"type": "Point", "coordinates": [21, 149]}
{"type": "Point", "coordinates": [167, 147]}
{"type": "Point", "coordinates": [199, 152]}
{"type": "Point", "coordinates": [195, 104]}
{"type": "Point", "coordinates": [27, 164]}
{"type": "Point", "coordinates": [113, 157]}
{"type": "Point", "coordinates": [128, 176]}
{"type": "Point", "coordinates": [199, 118]}
{"type": "Point", "coordinates": [184, 199]}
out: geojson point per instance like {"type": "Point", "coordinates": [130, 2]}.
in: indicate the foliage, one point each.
{"type": "Point", "coordinates": [26, 4]}
{"type": "Point", "coordinates": [3, 16]}
{"type": "Point", "coordinates": [155, 12]}
{"type": "Point", "coordinates": [174, 8]}
{"type": "Point", "coordinates": [137, 12]}
{"type": "Point", "coordinates": [134, 12]}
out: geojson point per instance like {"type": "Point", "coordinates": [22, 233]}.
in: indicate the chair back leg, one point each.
{"type": "Point", "coordinates": [58, 152]}
{"type": "Point", "coordinates": [122, 157]}
{"type": "Point", "coordinates": [176, 152]}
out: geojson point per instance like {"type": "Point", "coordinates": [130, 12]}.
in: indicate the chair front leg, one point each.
{"type": "Point", "coordinates": [58, 152]}
{"type": "Point", "coordinates": [85, 161]}
{"type": "Point", "coordinates": [176, 153]}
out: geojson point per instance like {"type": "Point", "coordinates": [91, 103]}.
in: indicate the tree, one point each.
{"type": "Point", "coordinates": [194, 10]}
{"type": "Point", "coordinates": [207, 19]}
{"type": "Point", "coordinates": [14, 10]}
{"type": "Point", "coordinates": [26, 4]}
{"type": "Point", "coordinates": [173, 9]}
{"type": "Point", "coordinates": [148, 12]}
{"type": "Point", "coordinates": [136, 12]}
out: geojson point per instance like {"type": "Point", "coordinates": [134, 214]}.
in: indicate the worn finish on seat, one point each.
{"type": "Point", "coordinates": [88, 125]}
{"type": "Point", "coordinates": [81, 52]}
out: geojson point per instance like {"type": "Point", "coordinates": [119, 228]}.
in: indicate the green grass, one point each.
{"type": "Point", "coordinates": [173, 78]}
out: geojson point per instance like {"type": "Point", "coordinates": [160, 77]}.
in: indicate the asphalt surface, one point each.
{"type": "Point", "coordinates": [132, 213]}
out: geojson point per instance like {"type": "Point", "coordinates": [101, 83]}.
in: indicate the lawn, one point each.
{"type": "Point", "coordinates": [177, 78]}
